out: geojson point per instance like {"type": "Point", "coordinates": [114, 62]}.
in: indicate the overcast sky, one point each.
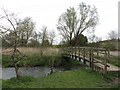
{"type": "Point", "coordinates": [47, 12]}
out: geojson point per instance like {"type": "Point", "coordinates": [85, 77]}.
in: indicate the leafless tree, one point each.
{"type": "Point", "coordinates": [51, 37]}
{"type": "Point", "coordinates": [112, 35]}
{"type": "Point", "coordinates": [16, 56]}
{"type": "Point", "coordinates": [44, 34]}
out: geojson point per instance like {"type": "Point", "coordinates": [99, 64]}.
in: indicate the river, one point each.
{"type": "Point", "coordinates": [8, 73]}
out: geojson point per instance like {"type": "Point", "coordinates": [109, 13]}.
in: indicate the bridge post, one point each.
{"type": "Point", "coordinates": [105, 62]}
{"type": "Point", "coordinates": [72, 52]}
{"type": "Point", "coordinates": [92, 59]}
{"type": "Point", "coordinates": [84, 55]}
{"type": "Point", "coordinates": [79, 53]}
{"type": "Point", "coordinates": [75, 53]}
{"type": "Point", "coordinates": [97, 53]}
{"type": "Point", "coordinates": [108, 53]}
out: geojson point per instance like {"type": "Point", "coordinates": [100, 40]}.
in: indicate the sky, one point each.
{"type": "Point", "coordinates": [47, 12]}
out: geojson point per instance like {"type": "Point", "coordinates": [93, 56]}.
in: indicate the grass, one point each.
{"type": "Point", "coordinates": [31, 50]}
{"type": "Point", "coordinates": [41, 57]}
{"type": "Point", "coordinates": [115, 60]}
{"type": "Point", "coordinates": [84, 78]}
{"type": "Point", "coordinates": [69, 79]}
{"type": "Point", "coordinates": [31, 60]}
{"type": "Point", "coordinates": [34, 56]}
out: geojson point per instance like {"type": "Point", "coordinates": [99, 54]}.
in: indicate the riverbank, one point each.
{"type": "Point", "coordinates": [84, 78]}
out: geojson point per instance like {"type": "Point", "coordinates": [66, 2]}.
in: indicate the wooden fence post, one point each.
{"type": "Point", "coordinates": [84, 55]}
{"type": "Point", "coordinates": [105, 62]}
{"type": "Point", "coordinates": [79, 54]}
{"type": "Point", "coordinates": [75, 52]}
{"type": "Point", "coordinates": [72, 52]}
{"type": "Point", "coordinates": [97, 53]}
{"type": "Point", "coordinates": [92, 59]}
{"type": "Point", "coordinates": [108, 53]}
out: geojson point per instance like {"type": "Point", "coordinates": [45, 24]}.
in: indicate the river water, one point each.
{"type": "Point", "coordinates": [8, 73]}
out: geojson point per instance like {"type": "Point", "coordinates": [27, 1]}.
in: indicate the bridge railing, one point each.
{"type": "Point", "coordinates": [98, 57]}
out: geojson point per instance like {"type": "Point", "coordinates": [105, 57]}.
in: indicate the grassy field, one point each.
{"type": "Point", "coordinates": [84, 78]}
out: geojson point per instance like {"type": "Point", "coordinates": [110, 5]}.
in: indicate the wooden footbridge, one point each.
{"type": "Point", "coordinates": [96, 58]}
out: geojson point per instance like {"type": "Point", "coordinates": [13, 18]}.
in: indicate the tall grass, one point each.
{"type": "Point", "coordinates": [34, 56]}
{"type": "Point", "coordinates": [40, 57]}
{"type": "Point", "coordinates": [31, 50]}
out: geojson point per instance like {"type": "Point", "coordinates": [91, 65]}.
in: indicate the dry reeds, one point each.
{"type": "Point", "coordinates": [32, 50]}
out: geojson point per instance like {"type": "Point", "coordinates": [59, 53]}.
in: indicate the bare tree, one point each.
{"type": "Point", "coordinates": [51, 37]}
{"type": "Point", "coordinates": [112, 35]}
{"type": "Point", "coordinates": [98, 39]}
{"type": "Point", "coordinates": [93, 38]}
{"type": "Point", "coordinates": [73, 23]}
{"type": "Point", "coordinates": [16, 56]}
{"type": "Point", "coordinates": [44, 34]}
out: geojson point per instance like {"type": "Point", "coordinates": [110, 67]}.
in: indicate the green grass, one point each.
{"type": "Point", "coordinates": [83, 78]}
{"type": "Point", "coordinates": [32, 60]}
{"type": "Point", "coordinates": [115, 60]}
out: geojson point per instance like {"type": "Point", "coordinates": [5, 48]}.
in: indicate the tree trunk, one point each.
{"type": "Point", "coordinates": [51, 70]}
{"type": "Point", "coordinates": [52, 65]}
{"type": "Point", "coordinates": [16, 70]}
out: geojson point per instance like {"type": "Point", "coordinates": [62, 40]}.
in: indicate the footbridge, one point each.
{"type": "Point", "coordinates": [96, 58]}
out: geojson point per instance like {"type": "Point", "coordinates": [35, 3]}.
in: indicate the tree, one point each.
{"type": "Point", "coordinates": [25, 29]}
{"type": "Point", "coordinates": [8, 40]}
{"type": "Point", "coordinates": [16, 56]}
{"type": "Point", "coordinates": [72, 23]}
{"type": "Point", "coordinates": [46, 43]}
{"type": "Point", "coordinates": [67, 23]}
{"type": "Point", "coordinates": [51, 37]}
{"type": "Point", "coordinates": [44, 34]}
{"type": "Point", "coordinates": [81, 40]}
{"type": "Point", "coordinates": [112, 35]}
